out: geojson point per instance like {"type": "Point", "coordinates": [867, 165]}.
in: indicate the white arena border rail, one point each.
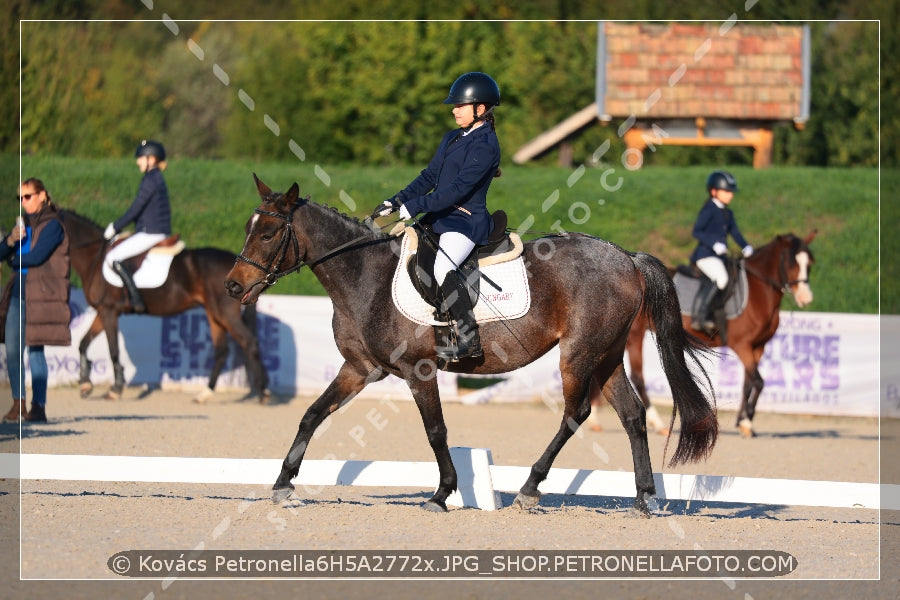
{"type": "Point", "coordinates": [479, 479]}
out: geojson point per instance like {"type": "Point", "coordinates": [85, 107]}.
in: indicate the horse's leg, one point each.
{"type": "Point", "coordinates": [631, 413]}
{"type": "Point", "coordinates": [597, 400]}
{"type": "Point", "coordinates": [110, 320]}
{"type": "Point", "coordinates": [753, 385]}
{"type": "Point", "coordinates": [242, 328]}
{"type": "Point", "coordinates": [428, 402]}
{"type": "Point", "coordinates": [342, 389]}
{"type": "Point", "coordinates": [758, 352]}
{"type": "Point", "coordinates": [575, 384]}
{"type": "Point", "coordinates": [634, 346]}
{"type": "Point", "coordinates": [220, 355]}
{"type": "Point", "coordinates": [84, 374]}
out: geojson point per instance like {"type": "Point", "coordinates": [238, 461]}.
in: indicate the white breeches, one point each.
{"type": "Point", "coordinates": [453, 248]}
{"type": "Point", "coordinates": [133, 245]}
{"type": "Point", "coordinates": [714, 268]}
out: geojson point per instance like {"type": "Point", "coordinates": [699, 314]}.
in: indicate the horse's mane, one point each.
{"type": "Point", "coordinates": [343, 218]}
{"type": "Point", "coordinates": [68, 214]}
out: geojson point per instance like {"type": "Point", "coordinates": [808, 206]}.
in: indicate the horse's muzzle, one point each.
{"type": "Point", "coordinates": [234, 289]}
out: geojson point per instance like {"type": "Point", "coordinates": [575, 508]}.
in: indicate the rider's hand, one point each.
{"type": "Point", "coordinates": [720, 248]}
{"type": "Point", "coordinates": [747, 251]}
{"type": "Point", "coordinates": [110, 232]}
{"type": "Point", "coordinates": [387, 207]}
{"type": "Point", "coordinates": [404, 213]}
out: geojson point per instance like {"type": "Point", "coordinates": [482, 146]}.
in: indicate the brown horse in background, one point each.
{"type": "Point", "coordinates": [195, 279]}
{"type": "Point", "coordinates": [585, 293]}
{"type": "Point", "coordinates": [780, 267]}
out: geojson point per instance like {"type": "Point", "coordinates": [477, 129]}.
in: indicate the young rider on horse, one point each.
{"type": "Point", "coordinates": [452, 190]}
{"type": "Point", "coordinates": [150, 213]}
{"type": "Point", "coordinates": [714, 223]}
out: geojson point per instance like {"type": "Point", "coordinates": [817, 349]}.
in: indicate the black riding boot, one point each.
{"type": "Point", "coordinates": [700, 319]}
{"type": "Point", "coordinates": [137, 303]}
{"type": "Point", "coordinates": [459, 305]}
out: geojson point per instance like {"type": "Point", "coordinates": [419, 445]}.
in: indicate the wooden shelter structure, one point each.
{"type": "Point", "coordinates": [693, 84]}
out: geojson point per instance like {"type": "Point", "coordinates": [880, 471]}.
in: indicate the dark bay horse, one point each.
{"type": "Point", "coordinates": [195, 279]}
{"type": "Point", "coordinates": [780, 267]}
{"type": "Point", "coordinates": [585, 294]}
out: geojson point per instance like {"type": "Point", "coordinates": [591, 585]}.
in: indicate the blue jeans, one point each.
{"type": "Point", "coordinates": [15, 351]}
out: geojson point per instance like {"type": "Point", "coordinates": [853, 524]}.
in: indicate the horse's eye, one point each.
{"type": "Point", "coordinates": [267, 237]}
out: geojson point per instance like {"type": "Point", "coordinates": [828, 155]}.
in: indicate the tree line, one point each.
{"type": "Point", "coordinates": [370, 92]}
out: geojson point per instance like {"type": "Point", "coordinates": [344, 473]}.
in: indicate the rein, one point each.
{"type": "Point", "coordinates": [289, 238]}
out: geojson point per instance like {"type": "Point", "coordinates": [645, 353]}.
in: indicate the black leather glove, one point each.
{"type": "Point", "coordinates": [388, 207]}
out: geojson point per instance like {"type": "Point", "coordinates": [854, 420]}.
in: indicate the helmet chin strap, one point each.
{"type": "Point", "coordinates": [476, 117]}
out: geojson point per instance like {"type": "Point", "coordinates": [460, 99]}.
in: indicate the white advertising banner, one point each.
{"type": "Point", "coordinates": [176, 352]}
{"type": "Point", "coordinates": [817, 363]}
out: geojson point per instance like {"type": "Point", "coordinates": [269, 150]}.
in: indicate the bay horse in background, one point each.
{"type": "Point", "coordinates": [585, 293]}
{"type": "Point", "coordinates": [195, 279]}
{"type": "Point", "coordinates": [780, 267]}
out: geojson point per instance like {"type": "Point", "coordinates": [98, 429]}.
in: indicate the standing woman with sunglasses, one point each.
{"type": "Point", "coordinates": [37, 249]}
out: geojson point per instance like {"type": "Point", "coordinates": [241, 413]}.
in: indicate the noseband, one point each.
{"type": "Point", "coordinates": [288, 238]}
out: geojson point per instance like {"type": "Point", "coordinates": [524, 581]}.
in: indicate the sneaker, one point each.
{"type": "Point", "coordinates": [36, 414]}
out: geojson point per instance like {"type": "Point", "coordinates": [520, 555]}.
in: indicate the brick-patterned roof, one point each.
{"type": "Point", "coordinates": [688, 70]}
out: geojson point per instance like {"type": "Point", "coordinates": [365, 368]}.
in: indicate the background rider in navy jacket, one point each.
{"type": "Point", "coordinates": [151, 214]}
{"type": "Point", "coordinates": [714, 223]}
{"type": "Point", "coordinates": [452, 191]}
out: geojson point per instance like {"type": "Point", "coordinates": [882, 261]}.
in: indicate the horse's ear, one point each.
{"type": "Point", "coordinates": [290, 197]}
{"type": "Point", "coordinates": [811, 236]}
{"type": "Point", "coordinates": [264, 190]}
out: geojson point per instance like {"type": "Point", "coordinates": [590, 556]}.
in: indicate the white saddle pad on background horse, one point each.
{"type": "Point", "coordinates": [512, 302]}
{"type": "Point", "coordinates": [687, 291]}
{"type": "Point", "coordinates": [153, 271]}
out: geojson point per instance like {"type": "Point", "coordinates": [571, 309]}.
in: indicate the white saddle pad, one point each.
{"type": "Point", "coordinates": [512, 302]}
{"type": "Point", "coordinates": [154, 270]}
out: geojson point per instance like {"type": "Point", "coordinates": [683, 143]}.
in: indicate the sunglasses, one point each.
{"type": "Point", "coordinates": [27, 196]}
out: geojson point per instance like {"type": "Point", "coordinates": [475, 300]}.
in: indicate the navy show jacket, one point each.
{"type": "Point", "coordinates": [713, 225]}
{"type": "Point", "coordinates": [452, 189]}
{"type": "Point", "coordinates": [150, 210]}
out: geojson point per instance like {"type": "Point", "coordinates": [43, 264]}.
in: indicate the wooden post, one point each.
{"type": "Point", "coordinates": [566, 152]}
{"type": "Point", "coordinates": [762, 149]}
{"type": "Point", "coordinates": [634, 140]}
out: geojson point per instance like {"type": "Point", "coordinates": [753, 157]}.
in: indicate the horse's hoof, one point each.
{"type": "Point", "coordinates": [644, 506]}
{"type": "Point", "coordinates": [281, 495]}
{"type": "Point", "coordinates": [265, 397]}
{"type": "Point", "coordinates": [86, 389]}
{"type": "Point", "coordinates": [746, 428]}
{"type": "Point", "coordinates": [204, 395]}
{"type": "Point", "coordinates": [112, 395]}
{"type": "Point", "coordinates": [639, 512]}
{"type": "Point", "coordinates": [434, 506]}
{"type": "Point", "coordinates": [523, 502]}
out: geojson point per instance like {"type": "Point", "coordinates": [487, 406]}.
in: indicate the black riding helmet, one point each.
{"type": "Point", "coordinates": [474, 88]}
{"type": "Point", "coordinates": [150, 148]}
{"type": "Point", "coordinates": [721, 180]}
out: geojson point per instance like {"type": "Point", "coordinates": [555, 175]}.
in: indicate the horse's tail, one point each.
{"type": "Point", "coordinates": [699, 424]}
